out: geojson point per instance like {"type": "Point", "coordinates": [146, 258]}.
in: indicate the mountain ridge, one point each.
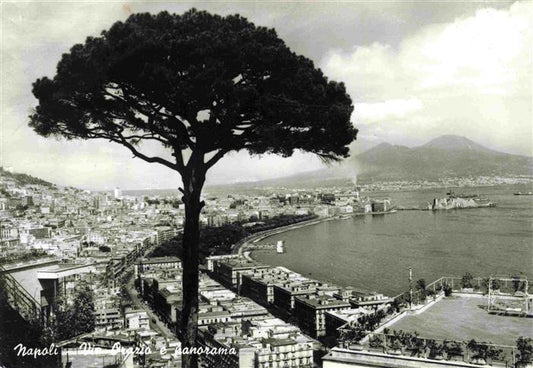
{"type": "Point", "coordinates": [456, 142]}
{"type": "Point", "coordinates": [443, 156]}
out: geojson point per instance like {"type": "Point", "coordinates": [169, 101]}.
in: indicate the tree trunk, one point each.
{"type": "Point", "coordinates": [193, 183]}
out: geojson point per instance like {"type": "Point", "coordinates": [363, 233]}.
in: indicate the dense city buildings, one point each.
{"type": "Point", "coordinates": [229, 320]}
{"type": "Point", "coordinates": [260, 316]}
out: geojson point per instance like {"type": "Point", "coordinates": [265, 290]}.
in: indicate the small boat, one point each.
{"type": "Point", "coordinates": [279, 247]}
{"type": "Point", "coordinates": [520, 193]}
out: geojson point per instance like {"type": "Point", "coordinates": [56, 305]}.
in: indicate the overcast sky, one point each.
{"type": "Point", "coordinates": [415, 70]}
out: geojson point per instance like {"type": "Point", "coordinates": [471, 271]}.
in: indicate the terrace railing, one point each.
{"type": "Point", "coordinates": [19, 298]}
{"type": "Point", "coordinates": [408, 344]}
{"type": "Point", "coordinates": [479, 286]}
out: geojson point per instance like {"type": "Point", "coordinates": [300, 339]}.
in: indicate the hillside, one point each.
{"type": "Point", "coordinates": [23, 179]}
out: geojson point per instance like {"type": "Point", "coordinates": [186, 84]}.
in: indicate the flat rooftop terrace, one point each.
{"type": "Point", "coordinates": [63, 270]}
{"type": "Point", "coordinates": [463, 318]}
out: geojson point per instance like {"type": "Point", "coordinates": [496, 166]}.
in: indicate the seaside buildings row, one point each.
{"type": "Point", "coordinates": [237, 297]}
{"type": "Point", "coordinates": [226, 320]}
{"type": "Point", "coordinates": [318, 308]}
{"type": "Point", "coordinates": [237, 289]}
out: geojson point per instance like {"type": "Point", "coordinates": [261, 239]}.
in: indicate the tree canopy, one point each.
{"type": "Point", "coordinates": [201, 85]}
{"type": "Point", "coordinates": [77, 317]}
{"type": "Point", "coordinates": [195, 81]}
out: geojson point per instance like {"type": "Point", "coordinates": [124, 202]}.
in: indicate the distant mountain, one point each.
{"type": "Point", "coordinates": [445, 156]}
{"type": "Point", "coordinates": [455, 143]}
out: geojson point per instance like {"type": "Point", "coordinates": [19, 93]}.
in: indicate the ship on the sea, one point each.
{"type": "Point", "coordinates": [521, 193]}
{"type": "Point", "coordinates": [454, 202]}
{"type": "Point", "coordinates": [452, 194]}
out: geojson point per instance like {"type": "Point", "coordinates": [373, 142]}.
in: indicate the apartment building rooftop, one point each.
{"type": "Point", "coordinates": [322, 302]}
{"type": "Point", "coordinates": [243, 307]}
{"type": "Point", "coordinates": [156, 260]}
{"type": "Point", "coordinates": [218, 295]}
{"type": "Point", "coordinates": [242, 263]}
{"type": "Point", "coordinates": [279, 342]}
{"type": "Point", "coordinates": [351, 314]}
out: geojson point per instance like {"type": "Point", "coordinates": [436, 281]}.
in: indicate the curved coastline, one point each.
{"type": "Point", "coordinates": [240, 247]}
{"type": "Point", "coordinates": [436, 238]}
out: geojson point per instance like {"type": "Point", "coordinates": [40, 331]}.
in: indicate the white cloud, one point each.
{"type": "Point", "coordinates": [366, 70]}
{"type": "Point", "coordinates": [469, 77]}
{"type": "Point", "coordinates": [484, 51]}
{"type": "Point", "coordinates": [372, 112]}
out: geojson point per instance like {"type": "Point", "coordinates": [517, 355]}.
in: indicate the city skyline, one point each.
{"type": "Point", "coordinates": [414, 71]}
